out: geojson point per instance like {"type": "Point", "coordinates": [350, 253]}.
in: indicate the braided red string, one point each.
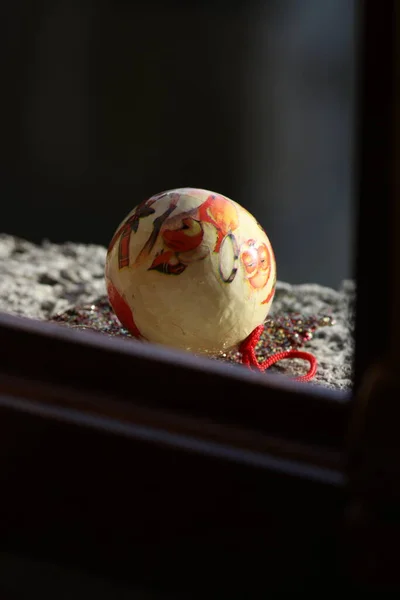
{"type": "Point", "coordinates": [248, 350]}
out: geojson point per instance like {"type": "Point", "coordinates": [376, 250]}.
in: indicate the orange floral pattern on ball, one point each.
{"type": "Point", "coordinates": [221, 213]}
{"type": "Point", "coordinates": [256, 261]}
{"type": "Point", "coordinates": [183, 234]}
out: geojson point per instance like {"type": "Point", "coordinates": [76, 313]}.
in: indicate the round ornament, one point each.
{"type": "Point", "coordinates": [191, 269]}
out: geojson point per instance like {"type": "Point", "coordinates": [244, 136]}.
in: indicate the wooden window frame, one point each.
{"type": "Point", "coordinates": [311, 472]}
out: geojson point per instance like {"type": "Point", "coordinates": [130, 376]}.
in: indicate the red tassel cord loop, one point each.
{"type": "Point", "coordinates": [249, 358]}
{"type": "Point", "coordinates": [248, 348]}
{"type": "Point", "coordinates": [294, 354]}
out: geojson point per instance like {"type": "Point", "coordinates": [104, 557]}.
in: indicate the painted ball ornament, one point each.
{"type": "Point", "coordinates": [191, 269]}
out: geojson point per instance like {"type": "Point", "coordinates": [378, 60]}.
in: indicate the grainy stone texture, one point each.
{"type": "Point", "coordinates": [333, 346]}
{"type": "Point", "coordinates": [41, 281]}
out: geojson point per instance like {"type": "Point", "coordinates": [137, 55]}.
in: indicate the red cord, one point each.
{"type": "Point", "coordinates": [249, 358]}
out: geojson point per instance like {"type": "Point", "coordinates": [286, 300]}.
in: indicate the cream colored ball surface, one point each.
{"type": "Point", "coordinates": [191, 269]}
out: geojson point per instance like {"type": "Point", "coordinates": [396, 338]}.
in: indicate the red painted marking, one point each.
{"type": "Point", "coordinates": [122, 310]}
{"type": "Point", "coordinates": [115, 237]}
{"type": "Point", "coordinates": [270, 295]}
{"type": "Point", "coordinates": [123, 249]}
{"type": "Point", "coordinates": [162, 259]}
{"type": "Point", "coordinates": [179, 240]}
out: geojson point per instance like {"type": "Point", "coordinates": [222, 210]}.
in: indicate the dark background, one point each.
{"type": "Point", "coordinates": [109, 102]}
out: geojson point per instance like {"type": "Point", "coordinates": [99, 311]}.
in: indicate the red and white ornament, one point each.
{"type": "Point", "coordinates": [191, 269]}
